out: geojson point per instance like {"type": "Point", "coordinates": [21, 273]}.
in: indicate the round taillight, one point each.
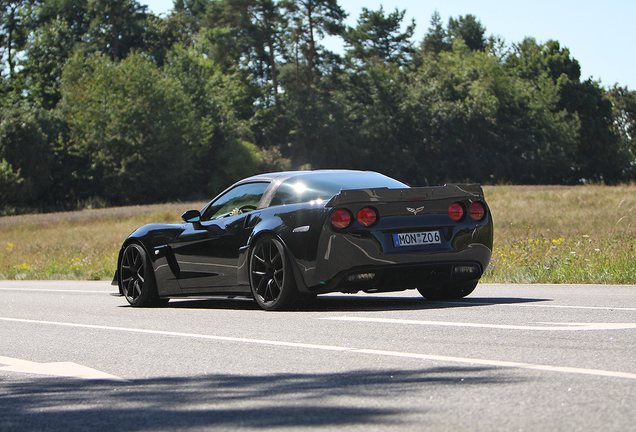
{"type": "Point", "coordinates": [367, 216]}
{"type": "Point", "coordinates": [341, 218]}
{"type": "Point", "coordinates": [456, 211]}
{"type": "Point", "coordinates": [477, 211]}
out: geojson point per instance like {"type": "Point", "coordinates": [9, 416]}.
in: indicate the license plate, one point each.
{"type": "Point", "coordinates": [417, 239]}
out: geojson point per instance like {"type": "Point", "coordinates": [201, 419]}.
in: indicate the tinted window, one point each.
{"type": "Point", "coordinates": [309, 188]}
{"type": "Point", "coordinates": [241, 199]}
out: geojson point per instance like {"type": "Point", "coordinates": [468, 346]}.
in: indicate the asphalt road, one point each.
{"type": "Point", "coordinates": [508, 357]}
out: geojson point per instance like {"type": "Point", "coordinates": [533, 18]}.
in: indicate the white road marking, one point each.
{"type": "Point", "coordinates": [471, 361]}
{"type": "Point", "coordinates": [61, 369]}
{"type": "Point", "coordinates": [606, 308]}
{"type": "Point", "coordinates": [545, 327]}
{"type": "Point", "coordinates": [57, 290]}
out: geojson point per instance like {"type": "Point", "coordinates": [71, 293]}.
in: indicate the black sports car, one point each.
{"type": "Point", "coordinates": [284, 237]}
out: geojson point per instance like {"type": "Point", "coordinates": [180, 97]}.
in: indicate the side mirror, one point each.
{"type": "Point", "coordinates": [191, 216]}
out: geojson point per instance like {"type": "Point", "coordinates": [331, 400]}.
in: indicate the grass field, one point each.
{"type": "Point", "coordinates": [543, 234]}
{"type": "Point", "coordinates": [582, 234]}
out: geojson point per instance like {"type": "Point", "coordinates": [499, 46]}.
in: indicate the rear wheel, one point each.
{"type": "Point", "coordinates": [448, 291]}
{"type": "Point", "coordinates": [271, 277]}
{"type": "Point", "coordinates": [137, 278]}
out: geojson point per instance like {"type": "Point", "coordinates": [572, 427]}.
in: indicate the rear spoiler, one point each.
{"type": "Point", "coordinates": [407, 194]}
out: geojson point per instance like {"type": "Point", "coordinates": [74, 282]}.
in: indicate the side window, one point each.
{"type": "Point", "coordinates": [285, 195]}
{"type": "Point", "coordinates": [293, 191]}
{"type": "Point", "coordinates": [241, 199]}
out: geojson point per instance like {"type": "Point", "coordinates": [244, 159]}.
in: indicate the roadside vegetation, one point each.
{"type": "Point", "coordinates": [74, 245]}
{"type": "Point", "coordinates": [560, 234]}
{"type": "Point", "coordinates": [543, 234]}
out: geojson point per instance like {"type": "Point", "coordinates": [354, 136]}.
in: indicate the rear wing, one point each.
{"type": "Point", "coordinates": [408, 194]}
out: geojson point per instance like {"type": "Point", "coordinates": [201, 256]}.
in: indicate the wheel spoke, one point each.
{"type": "Point", "coordinates": [130, 289]}
{"type": "Point", "coordinates": [137, 287]}
{"type": "Point", "coordinates": [270, 292]}
{"type": "Point", "coordinates": [278, 277]}
{"type": "Point", "coordinates": [276, 258]}
{"type": "Point", "coordinates": [135, 258]}
{"type": "Point", "coordinates": [261, 290]}
{"type": "Point", "coordinates": [126, 285]}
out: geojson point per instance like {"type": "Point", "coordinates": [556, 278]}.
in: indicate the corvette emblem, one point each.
{"type": "Point", "coordinates": [415, 211]}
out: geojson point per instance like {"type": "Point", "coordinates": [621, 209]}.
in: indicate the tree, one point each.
{"type": "Point", "coordinates": [476, 122]}
{"type": "Point", "coordinates": [379, 133]}
{"type": "Point", "coordinates": [313, 19]}
{"type": "Point", "coordinates": [73, 12]}
{"type": "Point", "coordinates": [14, 29]}
{"type": "Point", "coordinates": [163, 33]}
{"type": "Point", "coordinates": [10, 185]}
{"type": "Point", "coordinates": [470, 30]}
{"type": "Point", "coordinates": [46, 53]}
{"type": "Point", "coordinates": [378, 36]}
{"type": "Point", "coordinates": [624, 102]}
{"type": "Point", "coordinates": [597, 153]}
{"type": "Point", "coordinates": [600, 156]}
{"type": "Point", "coordinates": [117, 26]}
{"type": "Point", "coordinates": [530, 60]}
{"type": "Point", "coordinates": [131, 129]}
{"type": "Point", "coordinates": [256, 30]}
{"type": "Point", "coordinates": [624, 105]}
{"type": "Point", "coordinates": [436, 39]}
{"type": "Point", "coordinates": [26, 154]}
{"type": "Point", "coordinates": [193, 8]}
{"type": "Point", "coordinates": [223, 106]}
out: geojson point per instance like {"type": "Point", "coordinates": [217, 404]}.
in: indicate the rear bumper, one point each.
{"type": "Point", "coordinates": [370, 260]}
{"type": "Point", "coordinates": [401, 277]}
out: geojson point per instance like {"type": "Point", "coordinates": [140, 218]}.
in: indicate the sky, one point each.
{"type": "Point", "coordinates": [601, 35]}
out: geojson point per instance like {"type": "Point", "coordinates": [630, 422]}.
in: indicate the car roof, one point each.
{"type": "Point", "coordinates": [284, 175]}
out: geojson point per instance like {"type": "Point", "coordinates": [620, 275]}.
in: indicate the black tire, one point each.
{"type": "Point", "coordinates": [271, 276]}
{"type": "Point", "coordinates": [137, 278]}
{"type": "Point", "coordinates": [449, 291]}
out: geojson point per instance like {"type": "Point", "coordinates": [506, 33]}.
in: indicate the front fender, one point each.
{"type": "Point", "coordinates": [154, 238]}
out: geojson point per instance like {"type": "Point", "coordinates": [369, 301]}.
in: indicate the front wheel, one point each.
{"type": "Point", "coordinates": [137, 278]}
{"type": "Point", "coordinates": [271, 277]}
{"type": "Point", "coordinates": [448, 291]}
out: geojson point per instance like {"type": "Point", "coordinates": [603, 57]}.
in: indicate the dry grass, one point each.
{"type": "Point", "coordinates": [558, 234]}
{"type": "Point", "coordinates": [74, 245]}
{"type": "Point", "coordinates": [543, 234]}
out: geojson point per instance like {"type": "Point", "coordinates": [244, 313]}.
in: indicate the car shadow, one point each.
{"type": "Point", "coordinates": [356, 397]}
{"type": "Point", "coordinates": [353, 302]}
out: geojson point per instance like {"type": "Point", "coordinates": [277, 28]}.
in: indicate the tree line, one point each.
{"type": "Point", "coordinates": [104, 102]}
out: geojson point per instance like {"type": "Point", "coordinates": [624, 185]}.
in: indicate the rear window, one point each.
{"type": "Point", "coordinates": [313, 187]}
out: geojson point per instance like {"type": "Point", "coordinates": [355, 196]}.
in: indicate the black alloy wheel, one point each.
{"type": "Point", "coordinates": [137, 279]}
{"type": "Point", "coordinates": [271, 278]}
{"type": "Point", "coordinates": [450, 291]}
